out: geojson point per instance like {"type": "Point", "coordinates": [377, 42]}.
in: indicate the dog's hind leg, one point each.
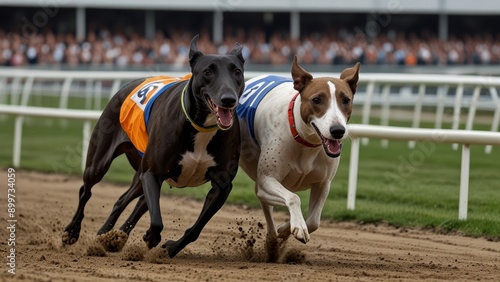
{"type": "Point", "coordinates": [115, 243]}
{"type": "Point", "coordinates": [215, 199]}
{"type": "Point", "coordinates": [115, 240]}
{"type": "Point", "coordinates": [133, 192]}
{"type": "Point", "coordinates": [133, 157]}
{"type": "Point", "coordinates": [99, 160]}
{"type": "Point", "coordinates": [140, 209]}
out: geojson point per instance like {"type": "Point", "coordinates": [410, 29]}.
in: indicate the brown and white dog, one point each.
{"type": "Point", "coordinates": [292, 132]}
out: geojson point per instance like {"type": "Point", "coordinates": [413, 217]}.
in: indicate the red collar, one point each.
{"type": "Point", "coordinates": [293, 129]}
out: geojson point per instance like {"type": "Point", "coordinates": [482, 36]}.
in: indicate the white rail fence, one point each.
{"type": "Point", "coordinates": [22, 90]}
{"type": "Point", "coordinates": [464, 137]}
{"type": "Point", "coordinates": [87, 116]}
{"type": "Point", "coordinates": [463, 95]}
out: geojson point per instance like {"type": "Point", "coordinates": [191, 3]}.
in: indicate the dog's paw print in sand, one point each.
{"type": "Point", "coordinates": [113, 241]}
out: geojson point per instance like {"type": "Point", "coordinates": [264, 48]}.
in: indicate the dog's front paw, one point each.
{"type": "Point", "coordinates": [152, 238]}
{"type": "Point", "coordinates": [171, 247]}
{"type": "Point", "coordinates": [71, 235]}
{"type": "Point", "coordinates": [300, 232]}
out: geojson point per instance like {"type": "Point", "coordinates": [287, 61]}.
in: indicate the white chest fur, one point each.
{"type": "Point", "coordinates": [308, 167]}
{"type": "Point", "coordinates": [195, 164]}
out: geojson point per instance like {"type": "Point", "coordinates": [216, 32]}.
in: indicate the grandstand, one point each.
{"type": "Point", "coordinates": [388, 35]}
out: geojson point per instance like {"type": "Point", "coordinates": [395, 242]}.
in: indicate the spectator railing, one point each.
{"type": "Point", "coordinates": [464, 137]}
{"type": "Point", "coordinates": [413, 92]}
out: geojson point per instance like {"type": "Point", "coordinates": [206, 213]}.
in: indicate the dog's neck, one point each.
{"type": "Point", "coordinates": [305, 130]}
{"type": "Point", "coordinates": [196, 110]}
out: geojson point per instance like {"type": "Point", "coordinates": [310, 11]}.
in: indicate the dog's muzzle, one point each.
{"type": "Point", "coordinates": [332, 147]}
{"type": "Point", "coordinates": [223, 113]}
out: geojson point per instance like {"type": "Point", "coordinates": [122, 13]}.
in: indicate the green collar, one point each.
{"type": "Point", "coordinates": [196, 126]}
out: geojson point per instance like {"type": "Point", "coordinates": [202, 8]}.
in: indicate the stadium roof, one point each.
{"type": "Point", "coordinates": [361, 6]}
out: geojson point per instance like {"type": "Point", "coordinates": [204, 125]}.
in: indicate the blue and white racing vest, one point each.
{"type": "Point", "coordinates": [255, 90]}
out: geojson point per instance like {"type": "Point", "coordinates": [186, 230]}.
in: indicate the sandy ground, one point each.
{"type": "Point", "coordinates": [337, 251]}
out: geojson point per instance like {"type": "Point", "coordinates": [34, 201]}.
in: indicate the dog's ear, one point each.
{"type": "Point", "coordinates": [351, 76]}
{"type": "Point", "coordinates": [300, 76]}
{"type": "Point", "coordinates": [194, 53]}
{"type": "Point", "coordinates": [236, 51]}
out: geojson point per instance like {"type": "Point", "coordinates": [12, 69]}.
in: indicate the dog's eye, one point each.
{"type": "Point", "coordinates": [207, 72]}
{"type": "Point", "coordinates": [316, 100]}
{"type": "Point", "coordinates": [346, 100]}
{"type": "Point", "coordinates": [237, 72]}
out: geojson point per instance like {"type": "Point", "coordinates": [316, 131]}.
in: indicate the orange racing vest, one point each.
{"type": "Point", "coordinates": [135, 110]}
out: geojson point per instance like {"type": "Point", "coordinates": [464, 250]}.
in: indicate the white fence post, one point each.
{"type": "Point", "coordinates": [97, 95]}
{"type": "Point", "coordinates": [15, 91]}
{"type": "Point", "coordinates": [63, 100]}
{"type": "Point", "coordinates": [417, 112]}
{"type": "Point", "coordinates": [457, 109]}
{"type": "Point", "coordinates": [353, 174]}
{"type": "Point", "coordinates": [494, 125]}
{"type": "Point", "coordinates": [385, 112]}
{"type": "Point", "coordinates": [85, 142]}
{"type": "Point", "coordinates": [18, 135]}
{"type": "Point", "coordinates": [88, 93]}
{"type": "Point", "coordinates": [464, 183]}
{"type": "Point", "coordinates": [3, 94]}
{"type": "Point", "coordinates": [472, 108]}
{"type": "Point", "coordinates": [370, 88]}
{"type": "Point", "coordinates": [114, 88]}
{"type": "Point", "coordinates": [27, 89]}
{"type": "Point", "coordinates": [441, 97]}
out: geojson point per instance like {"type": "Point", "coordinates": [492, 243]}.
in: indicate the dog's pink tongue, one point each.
{"type": "Point", "coordinates": [333, 146]}
{"type": "Point", "coordinates": [225, 117]}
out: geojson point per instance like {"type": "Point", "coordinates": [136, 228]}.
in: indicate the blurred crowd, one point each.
{"type": "Point", "coordinates": [340, 47]}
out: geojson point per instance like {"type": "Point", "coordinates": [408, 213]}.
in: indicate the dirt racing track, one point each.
{"type": "Point", "coordinates": [231, 247]}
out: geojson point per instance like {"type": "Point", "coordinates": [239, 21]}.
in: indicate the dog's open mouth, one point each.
{"type": "Point", "coordinates": [332, 147]}
{"type": "Point", "coordinates": [224, 115]}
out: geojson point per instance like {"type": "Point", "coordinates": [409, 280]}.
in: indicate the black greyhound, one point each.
{"type": "Point", "coordinates": [193, 138]}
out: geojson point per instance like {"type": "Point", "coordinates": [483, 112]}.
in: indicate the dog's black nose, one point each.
{"type": "Point", "coordinates": [337, 131]}
{"type": "Point", "coordinates": [228, 100]}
